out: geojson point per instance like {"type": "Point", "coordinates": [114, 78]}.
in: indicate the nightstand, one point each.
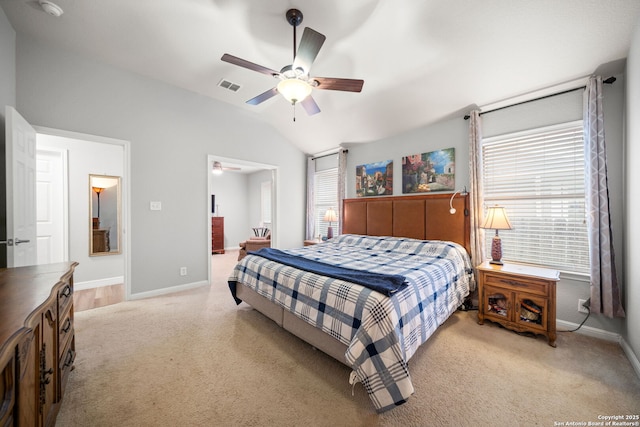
{"type": "Point", "coordinates": [311, 242]}
{"type": "Point", "coordinates": [519, 297]}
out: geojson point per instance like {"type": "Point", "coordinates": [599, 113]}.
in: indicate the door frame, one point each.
{"type": "Point", "coordinates": [275, 207]}
{"type": "Point", "coordinates": [126, 189]}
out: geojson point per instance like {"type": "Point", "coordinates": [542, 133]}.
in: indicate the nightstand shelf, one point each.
{"type": "Point", "coordinates": [518, 297]}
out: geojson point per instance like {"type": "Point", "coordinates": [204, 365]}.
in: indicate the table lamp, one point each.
{"type": "Point", "coordinates": [330, 215]}
{"type": "Point", "coordinates": [496, 218]}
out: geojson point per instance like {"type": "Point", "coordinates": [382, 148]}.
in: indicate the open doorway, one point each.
{"type": "Point", "coordinates": [79, 156]}
{"type": "Point", "coordinates": [242, 195]}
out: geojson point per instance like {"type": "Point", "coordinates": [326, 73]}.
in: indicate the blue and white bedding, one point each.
{"type": "Point", "coordinates": [382, 333]}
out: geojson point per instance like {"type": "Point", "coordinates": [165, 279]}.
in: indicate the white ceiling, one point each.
{"type": "Point", "coordinates": [421, 61]}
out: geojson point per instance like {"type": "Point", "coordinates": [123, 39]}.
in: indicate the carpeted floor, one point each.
{"type": "Point", "coordinates": [196, 359]}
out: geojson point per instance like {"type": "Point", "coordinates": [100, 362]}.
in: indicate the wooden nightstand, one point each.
{"type": "Point", "coordinates": [311, 242]}
{"type": "Point", "coordinates": [519, 297]}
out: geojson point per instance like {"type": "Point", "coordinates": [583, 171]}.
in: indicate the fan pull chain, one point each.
{"type": "Point", "coordinates": [294, 110]}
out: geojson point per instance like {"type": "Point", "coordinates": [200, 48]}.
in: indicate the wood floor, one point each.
{"type": "Point", "coordinates": [97, 297]}
{"type": "Point", "coordinates": [106, 295]}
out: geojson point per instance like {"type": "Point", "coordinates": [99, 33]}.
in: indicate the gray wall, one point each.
{"type": "Point", "coordinates": [171, 131]}
{"type": "Point", "coordinates": [7, 97]}
{"type": "Point", "coordinates": [632, 198]}
{"type": "Point", "coordinates": [232, 198]}
{"type": "Point", "coordinates": [454, 133]}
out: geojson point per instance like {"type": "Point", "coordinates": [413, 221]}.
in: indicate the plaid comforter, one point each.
{"type": "Point", "coordinates": [382, 333]}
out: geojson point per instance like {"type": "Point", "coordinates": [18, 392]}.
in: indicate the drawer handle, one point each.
{"type": "Point", "coordinates": [66, 291]}
{"type": "Point", "coordinates": [71, 356]}
{"type": "Point", "coordinates": [67, 325]}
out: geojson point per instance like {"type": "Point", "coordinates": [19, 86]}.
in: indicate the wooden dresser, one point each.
{"type": "Point", "coordinates": [217, 234]}
{"type": "Point", "coordinates": [37, 342]}
{"type": "Point", "coordinates": [101, 240]}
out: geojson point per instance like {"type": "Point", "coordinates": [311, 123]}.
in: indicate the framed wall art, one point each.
{"type": "Point", "coordinates": [374, 179]}
{"type": "Point", "coordinates": [432, 171]}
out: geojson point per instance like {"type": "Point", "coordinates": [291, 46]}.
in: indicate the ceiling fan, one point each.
{"type": "Point", "coordinates": [218, 168]}
{"type": "Point", "coordinates": [295, 82]}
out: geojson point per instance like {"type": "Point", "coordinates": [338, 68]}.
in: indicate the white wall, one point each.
{"type": "Point", "coordinates": [232, 199]}
{"type": "Point", "coordinates": [84, 158]}
{"type": "Point", "coordinates": [172, 132]}
{"type": "Point", "coordinates": [632, 198]}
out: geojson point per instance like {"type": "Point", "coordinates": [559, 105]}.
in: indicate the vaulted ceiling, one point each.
{"type": "Point", "coordinates": [421, 61]}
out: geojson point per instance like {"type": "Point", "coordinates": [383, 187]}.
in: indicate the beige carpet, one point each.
{"type": "Point", "coordinates": [196, 359]}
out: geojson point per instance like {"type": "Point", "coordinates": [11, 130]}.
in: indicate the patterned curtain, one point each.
{"type": "Point", "coordinates": [476, 195]}
{"type": "Point", "coordinates": [311, 223]}
{"type": "Point", "coordinates": [605, 294]}
{"type": "Point", "coordinates": [342, 185]}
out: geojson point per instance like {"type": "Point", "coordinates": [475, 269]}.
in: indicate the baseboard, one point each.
{"type": "Point", "coordinates": [169, 290]}
{"type": "Point", "coordinates": [91, 284]}
{"type": "Point", "coordinates": [588, 330]}
{"type": "Point", "coordinates": [631, 356]}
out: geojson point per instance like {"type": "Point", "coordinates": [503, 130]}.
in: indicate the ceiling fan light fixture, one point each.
{"type": "Point", "coordinates": [294, 90]}
{"type": "Point", "coordinates": [217, 168]}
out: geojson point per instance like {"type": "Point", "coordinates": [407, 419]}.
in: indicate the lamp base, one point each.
{"type": "Point", "coordinates": [329, 233]}
{"type": "Point", "coordinates": [496, 250]}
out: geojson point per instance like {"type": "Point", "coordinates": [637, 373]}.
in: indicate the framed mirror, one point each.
{"type": "Point", "coordinates": [105, 223]}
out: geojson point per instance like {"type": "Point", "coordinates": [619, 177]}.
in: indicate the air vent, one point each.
{"type": "Point", "coordinates": [233, 87]}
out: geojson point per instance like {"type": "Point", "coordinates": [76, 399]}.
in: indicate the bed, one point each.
{"type": "Point", "coordinates": [411, 246]}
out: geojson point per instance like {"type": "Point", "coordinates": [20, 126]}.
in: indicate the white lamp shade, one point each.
{"type": "Point", "coordinates": [294, 90]}
{"type": "Point", "coordinates": [103, 181]}
{"type": "Point", "coordinates": [496, 219]}
{"type": "Point", "coordinates": [330, 215]}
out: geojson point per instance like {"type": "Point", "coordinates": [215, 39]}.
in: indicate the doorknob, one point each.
{"type": "Point", "coordinates": [18, 241]}
{"type": "Point", "coordinates": [8, 242]}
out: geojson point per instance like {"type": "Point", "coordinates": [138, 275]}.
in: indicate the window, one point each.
{"type": "Point", "coordinates": [326, 196]}
{"type": "Point", "coordinates": [538, 176]}
{"type": "Point", "coordinates": [265, 203]}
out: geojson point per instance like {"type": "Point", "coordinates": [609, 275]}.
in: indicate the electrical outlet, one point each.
{"type": "Point", "coordinates": [581, 306]}
{"type": "Point", "coordinates": [183, 271]}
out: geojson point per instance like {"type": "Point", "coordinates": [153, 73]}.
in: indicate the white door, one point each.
{"type": "Point", "coordinates": [51, 213]}
{"type": "Point", "coordinates": [21, 190]}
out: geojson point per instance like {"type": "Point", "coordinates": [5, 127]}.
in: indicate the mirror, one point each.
{"type": "Point", "coordinates": [104, 215]}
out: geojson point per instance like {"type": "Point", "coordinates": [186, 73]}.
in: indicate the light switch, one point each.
{"type": "Point", "coordinates": [155, 206]}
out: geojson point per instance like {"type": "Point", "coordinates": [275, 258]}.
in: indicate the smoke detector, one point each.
{"type": "Point", "coordinates": [51, 8]}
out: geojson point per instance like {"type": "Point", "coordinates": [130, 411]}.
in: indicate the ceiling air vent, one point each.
{"type": "Point", "coordinates": [233, 87]}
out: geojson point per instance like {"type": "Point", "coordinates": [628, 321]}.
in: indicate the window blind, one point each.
{"type": "Point", "coordinates": [326, 192]}
{"type": "Point", "coordinates": [538, 176]}
{"type": "Point", "coordinates": [265, 203]}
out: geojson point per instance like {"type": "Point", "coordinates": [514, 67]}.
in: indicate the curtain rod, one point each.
{"type": "Point", "coordinates": [608, 81]}
{"type": "Point", "coordinates": [330, 154]}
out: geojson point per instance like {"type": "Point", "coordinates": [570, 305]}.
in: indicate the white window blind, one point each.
{"type": "Point", "coordinates": [326, 192]}
{"type": "Point", "coordinates": [265, 203]}
{"type": "Point", "coordinates": [538, 176]}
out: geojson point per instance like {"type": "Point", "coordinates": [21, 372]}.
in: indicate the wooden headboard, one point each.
{"type": "Point", "coordinates": [423, 217]}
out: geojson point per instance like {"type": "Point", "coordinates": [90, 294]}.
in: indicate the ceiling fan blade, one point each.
{"type": "Point", "coordinates": [332, 83]}
{"type": "Point", "coordinates": [310, 105]}
{"type": "Point", "coordinates": [263, 96]}
{"type": "Point", "coordinates": [250, 65]}
{"type": "Point", "coordinates": [308, 49]}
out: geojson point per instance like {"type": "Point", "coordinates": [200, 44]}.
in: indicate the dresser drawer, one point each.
{"type": "Point", "coordinates": [528, 284]}
{"type": "Point", "coordinates": [65, 298]}
{"type": "Point", "coordinates": [66, 331]}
